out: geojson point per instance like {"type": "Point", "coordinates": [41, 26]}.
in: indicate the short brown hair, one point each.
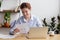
{"type": "Point", "coordinates": [25, 5]}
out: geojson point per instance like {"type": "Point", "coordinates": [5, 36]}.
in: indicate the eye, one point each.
{"type": "Point", "coordinates": [26, 11]}
{"type": "Point", "coordinates": [22, 11]}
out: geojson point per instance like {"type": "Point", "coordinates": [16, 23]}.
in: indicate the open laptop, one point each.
{"type": "Point", "coordinates": [38, 32]}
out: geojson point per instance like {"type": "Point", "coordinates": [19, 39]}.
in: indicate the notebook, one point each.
{"type": "Point", "coordinates": [38, 32]}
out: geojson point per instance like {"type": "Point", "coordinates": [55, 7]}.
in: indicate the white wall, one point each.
{"type": "Point", "coordinates": [40, 8]}
{"type": "Point", "coordinates": [44, 8]}
{"type": "Point", "coordinates": [59, 7]}
{"type": "Point", "coordinates": [9, 4]}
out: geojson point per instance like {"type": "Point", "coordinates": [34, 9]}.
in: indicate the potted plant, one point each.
{"type": "Point", "coordinates": [51, 26]}
{"type": "Point", "coordinates": [44, 22]}
{"type": "Point", "coordinates": [0, 3]}
{"type": "Point", "coordinates": [58, 25]}
{"type": "Point", "coordinates": [7, 19]}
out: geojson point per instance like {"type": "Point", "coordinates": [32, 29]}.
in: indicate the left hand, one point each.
{"type": "Point", "coordinates": [16, 30]}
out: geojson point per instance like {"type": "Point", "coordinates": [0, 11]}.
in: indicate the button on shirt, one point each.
{"type": "Point", "coordinates": [33, 22]}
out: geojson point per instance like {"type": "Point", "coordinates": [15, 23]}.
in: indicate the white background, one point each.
{"type": "Point", "coordinates": [40, 8]}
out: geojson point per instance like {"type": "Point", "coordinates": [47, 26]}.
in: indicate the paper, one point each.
{"type": "Point", "coordinates": [24, 28]}
{"type": "Point", "coordinates": [6, 36]}
{"type": "Point", "coordinates": [4, 33]}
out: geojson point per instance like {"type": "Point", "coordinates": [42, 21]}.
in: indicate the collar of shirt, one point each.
{"type": "Point", "coordinates": [31, 19]}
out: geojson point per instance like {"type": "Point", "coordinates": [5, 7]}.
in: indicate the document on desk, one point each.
{"type": "Point", "coordinates": [6, 36]}
{"type": "Point", "coordinates": [24, 28]}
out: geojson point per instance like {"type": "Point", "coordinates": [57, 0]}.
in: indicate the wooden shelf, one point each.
{"type": "Point", "coordinates": [12, 11]}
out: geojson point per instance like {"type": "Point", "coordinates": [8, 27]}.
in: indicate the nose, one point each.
{"type": "Point", "coordinates": [25, 13]}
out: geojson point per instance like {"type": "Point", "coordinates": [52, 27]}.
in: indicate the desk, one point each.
{"type": "Point", "coordinates": [55, 37]}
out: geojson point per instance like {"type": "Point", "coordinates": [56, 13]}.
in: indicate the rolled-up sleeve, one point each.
{"type": "Point", "coordinates": [12, 27]}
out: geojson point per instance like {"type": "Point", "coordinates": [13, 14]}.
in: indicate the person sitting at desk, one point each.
{"type": "Point", "coordinates": [26, 18]}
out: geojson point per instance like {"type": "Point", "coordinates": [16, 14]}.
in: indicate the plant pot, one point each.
{"type": "Point", "coordinates": [7, 25]}
{"type": "Point", "coordinates": [51, 33]}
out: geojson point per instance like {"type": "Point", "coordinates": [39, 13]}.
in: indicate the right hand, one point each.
{"type": "Point", "coordinates": [16, 30]}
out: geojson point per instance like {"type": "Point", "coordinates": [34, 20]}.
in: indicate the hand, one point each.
{"type": "Point", "coordinates": [16, 30]}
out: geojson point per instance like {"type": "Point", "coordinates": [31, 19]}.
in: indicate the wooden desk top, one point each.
{"type": "Point", "coordinates": [55, 37]}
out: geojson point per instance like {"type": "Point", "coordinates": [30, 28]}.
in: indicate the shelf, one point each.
{"type": "Point", "coordinates": [12, 11]}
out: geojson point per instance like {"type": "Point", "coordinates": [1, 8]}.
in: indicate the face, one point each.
{"type": "Point", "coordinates": [26, 12]}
